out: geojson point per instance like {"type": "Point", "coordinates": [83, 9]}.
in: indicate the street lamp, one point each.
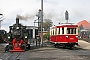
{"type": "Point", "coordinates": [39, 19]}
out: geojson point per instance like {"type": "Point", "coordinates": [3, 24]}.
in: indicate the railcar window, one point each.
{"type": "Point", "coordinates": [71, 30]}
{"type": "Point", "coordinates": [59, 31]}
{"type": "Point", "coordinates": [53, 32]}
{"type": "Point", "coordinates": [68, 30]}
{"type": "Point", "coordinates": [74, 30]}
{"type": "Point", "coordinates": [62, 30]}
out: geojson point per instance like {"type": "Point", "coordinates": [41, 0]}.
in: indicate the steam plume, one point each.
{"type": "Point", "coordinates": [26, 17]}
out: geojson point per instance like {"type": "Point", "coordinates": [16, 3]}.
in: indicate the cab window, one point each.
{"type": "Point", "coordinates": [71, 30]}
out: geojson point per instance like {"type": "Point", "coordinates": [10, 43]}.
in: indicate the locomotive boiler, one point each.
{"type": "Point", "coordinates": [17, 38]}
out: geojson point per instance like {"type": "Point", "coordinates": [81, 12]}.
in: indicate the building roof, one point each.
{"type": "Point", "coordinates": [32, 27]}
{"type": "Point", "coordinates": [84, 23]}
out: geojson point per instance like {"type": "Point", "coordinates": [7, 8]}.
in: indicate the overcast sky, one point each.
{"type": "Point", "coordinates": [53, 9]}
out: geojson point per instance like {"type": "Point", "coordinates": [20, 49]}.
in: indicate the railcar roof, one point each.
{"type": "Point", "coordinates": [65, 25]}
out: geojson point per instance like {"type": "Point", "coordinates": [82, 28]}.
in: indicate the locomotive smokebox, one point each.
{"type": "Point", "coordinates": [17, 21]}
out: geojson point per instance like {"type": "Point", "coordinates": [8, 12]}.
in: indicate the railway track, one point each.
{"type": "Point", "coordinates": [10, 56]}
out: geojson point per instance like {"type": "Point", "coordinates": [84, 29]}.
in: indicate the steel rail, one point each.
{"type": "Point", "coordinates": [10, 56]}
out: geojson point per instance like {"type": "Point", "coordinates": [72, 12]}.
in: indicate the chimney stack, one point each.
{"type": "Point", "coordinates": [17, 21]}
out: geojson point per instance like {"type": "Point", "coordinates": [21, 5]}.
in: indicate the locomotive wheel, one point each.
{"type": "Point", "coordinates": [10, 47]}
{"type": "Point", "coordinates": [28, 46]}
{"type": "Point", "coordinates": [71, 47]}
{"type": "Point", "coordinates": [56, 45]}
{"type": "Point", "coordinates": [7, 48]}
{"type": "Point", "coordinates": [23, 47]}
{"type": "Point", "coordinates": [64, 46]}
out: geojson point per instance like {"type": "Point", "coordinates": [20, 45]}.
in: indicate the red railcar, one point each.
{"type": "Point", "coordinates": [65, 35]}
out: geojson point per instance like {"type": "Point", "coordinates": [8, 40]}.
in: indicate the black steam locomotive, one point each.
{"type": "Point", "coordinates": [17, 38]}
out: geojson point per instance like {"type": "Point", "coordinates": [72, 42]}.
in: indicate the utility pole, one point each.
{"type": "Point", "coordinates": [41, 22]}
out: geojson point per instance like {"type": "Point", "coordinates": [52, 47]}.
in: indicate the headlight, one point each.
{"type": "Point", "coordinates": [7, 44]}
{"type": "Point", "coordinates": [66, 36]}
{"type": "Point", "coordinates": [17, 28]}
{"type": "Point", "coordinates": [25, 36]}
{"type": "Point", "coordinates": [8, 37]}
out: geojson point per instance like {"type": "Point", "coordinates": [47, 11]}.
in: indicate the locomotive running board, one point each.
{"type": "Point", "coordinates": [17, 50]}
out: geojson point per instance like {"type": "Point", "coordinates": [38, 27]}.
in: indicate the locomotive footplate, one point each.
{"type": "Point", "coordinates": [17, 50]}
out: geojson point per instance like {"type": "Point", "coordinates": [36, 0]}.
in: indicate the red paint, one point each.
{"type": "Point", "coordinates": [63, 38]}
{"type": "Point", "coordinates": [17, 45]}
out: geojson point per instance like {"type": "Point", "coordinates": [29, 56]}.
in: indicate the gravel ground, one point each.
{"type": "Point", "coordinates": [51, 53]}
{"type": "Point", "coordinates": [1, 49]}
{"type": "Point", "coordinates": [84, 45]}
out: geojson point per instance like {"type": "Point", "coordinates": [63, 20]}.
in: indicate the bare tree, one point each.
{"type": "Point", "coordinates": [47, 24]}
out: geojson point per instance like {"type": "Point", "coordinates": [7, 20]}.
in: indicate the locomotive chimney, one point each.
{"type": "Point", "coordinates": [17, 21]}
{"type": "Point", "coordinates": [66, 16]}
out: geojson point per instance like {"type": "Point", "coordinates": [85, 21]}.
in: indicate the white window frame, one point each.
{"type": "Point", "coordinates": [60, 31]}
{"type": "Point", "coordinates": [65, 30]}
{"type": "Point", "coordinates": [57, 31]}
{"type": "Point", "coordinates": [77, 31]}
